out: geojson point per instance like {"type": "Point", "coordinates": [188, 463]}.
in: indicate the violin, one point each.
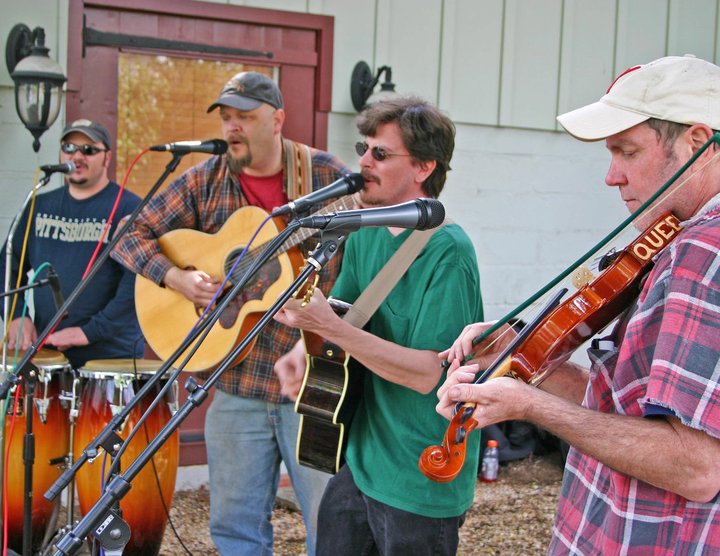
{"type": "Point", "coordinates": [549, 341]}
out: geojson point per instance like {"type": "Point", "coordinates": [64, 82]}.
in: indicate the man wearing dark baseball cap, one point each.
{"type": "Point", "coordinates": [644, 424]}
{"type": "Point", "coordinates": [66, 226]}
{"type": "Point", "coordinates": [94, 130]}
{"type": "Point", "coordinates": [247, 91]}
{"type": "Point", "coordinates": [250, 426]}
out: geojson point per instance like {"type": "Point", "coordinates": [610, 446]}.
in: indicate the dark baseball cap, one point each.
{"type": "Point", "coordinates": [248, 90]}
{"type": "Point", "coordinates": [95, 131]}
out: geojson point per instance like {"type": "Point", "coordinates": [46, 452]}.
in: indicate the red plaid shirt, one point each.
{"type": "Point", "coordinates": [202, 199]}
{"type": "Point", "coordinates": [667, 363]}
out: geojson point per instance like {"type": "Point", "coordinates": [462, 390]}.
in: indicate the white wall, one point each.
{"type": "Point", "coordinates": [531, 198]}
{"type": "Point", "coordinates": [18, 161]}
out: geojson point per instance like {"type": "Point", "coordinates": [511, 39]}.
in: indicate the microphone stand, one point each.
{"type": "Point", "coordinates": [8, 257]}
{"type": "Point", "coordinates": [43, 282]}
{"type": "Point", "coordinates": [111, 531]}
{"type": "Point", "coordinates": [108, 438]}
{"type": "Point", "coordinates": [9, 377]}
{"type": "Point", "coordinates": [24, 365]}
{"type": "Point", "coordinates": [29, 377]}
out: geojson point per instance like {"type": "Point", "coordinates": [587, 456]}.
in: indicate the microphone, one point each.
{"type": "Point", "coordinates": [54, 282]}
{"type": "Point", "coordinates": [64, 168]}
{"type": "Point", "coordinates": [420, 214]}
{"type": "Point", "coordinates": [349, 183]}
{"type": "Point", "coordinates": [212, 146]}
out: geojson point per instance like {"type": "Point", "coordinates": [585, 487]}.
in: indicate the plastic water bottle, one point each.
{"type": "Point", "coordinates": [490, 462]}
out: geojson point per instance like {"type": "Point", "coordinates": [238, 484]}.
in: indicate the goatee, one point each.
{"type": "Point", "coordinates": [235, 165]}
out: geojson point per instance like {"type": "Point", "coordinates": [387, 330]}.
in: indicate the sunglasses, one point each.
{"type": "Point", "coordinates": [87, 150]}
{"type": "Point", "coordinates": [378, 153]}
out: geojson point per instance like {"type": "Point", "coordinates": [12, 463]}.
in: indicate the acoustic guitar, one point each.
{"type": "Point", "coordinates": [166, 316]}
{"type": "Point", "coordinates": [327, 400]}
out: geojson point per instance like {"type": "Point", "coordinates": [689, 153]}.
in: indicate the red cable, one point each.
{"type": "Point", "coordinates": [6, 468]}
{"type": "Point", "coordinates": [112, 213]}
{"type": "Point", "coordinates": [87, 270]}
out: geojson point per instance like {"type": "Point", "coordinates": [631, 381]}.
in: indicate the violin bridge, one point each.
{"type": "Point", "coordinates": [582, 277]}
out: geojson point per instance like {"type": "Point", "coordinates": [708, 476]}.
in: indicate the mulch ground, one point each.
{"type": "Point", "coordinates": [510, 516]}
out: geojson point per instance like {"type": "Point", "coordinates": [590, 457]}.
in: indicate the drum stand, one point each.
{"type": "Point", "coordinates": [12, 378]}
{"type": "Point", "coordinates": [28, 373]}
{"type": "Point", "coordinates": [102, 521]}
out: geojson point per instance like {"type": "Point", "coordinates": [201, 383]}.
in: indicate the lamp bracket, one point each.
{"type": "Point", "coordinates": [18, 46]}
{"type": "Point", "coordinates": [361, 85]}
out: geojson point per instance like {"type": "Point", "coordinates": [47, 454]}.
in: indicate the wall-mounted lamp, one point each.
{"type": "Point", "coordinates": [362, 84]}
{"type": "Point", "coordinates": [38, 79]}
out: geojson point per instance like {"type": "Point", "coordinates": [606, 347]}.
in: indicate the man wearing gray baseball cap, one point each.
{"type": "Point", "coordinates": [65, 227]}
{"type": "Point", "coordinates": [644, 423]}
{"type": "Point", "coordinates": [250, 426]}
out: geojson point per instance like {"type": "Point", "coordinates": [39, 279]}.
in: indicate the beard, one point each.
{"type": "Point", "coordinates": [236, 164]}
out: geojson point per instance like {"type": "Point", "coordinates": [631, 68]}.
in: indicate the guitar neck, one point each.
{"type": "Point", "coordinates": [343, 203]}
{"type": "Point", "coordinates": [300, 235]}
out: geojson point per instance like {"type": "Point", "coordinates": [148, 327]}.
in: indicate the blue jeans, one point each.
{"type": "Point", "coordinates": [246, 439]}
{"type": "Point", "coordinates": [353, 524]}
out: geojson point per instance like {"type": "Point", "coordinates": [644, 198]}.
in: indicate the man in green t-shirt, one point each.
{"type": "Point", "coordinates": [379, 500]}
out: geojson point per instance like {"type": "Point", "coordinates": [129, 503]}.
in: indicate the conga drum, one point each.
{"type": "Point", "coordinates": [109, 385]}
{"type": "Point", "coordinates": [51, 431]}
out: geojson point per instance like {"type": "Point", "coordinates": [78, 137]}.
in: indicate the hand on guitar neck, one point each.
{"type": "Point", "coordinates": [312, 314]}
{"type": "Point", "coordinates": [196, 285]}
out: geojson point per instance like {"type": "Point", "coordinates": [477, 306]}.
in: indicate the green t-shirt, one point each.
{"type": "Point", "coordinates": [428, 308]}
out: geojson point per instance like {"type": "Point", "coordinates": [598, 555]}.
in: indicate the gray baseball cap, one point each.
{"type": "Point", "coordinates": [95, 131]}
{"type": "Point", "coordinates": [248, 90]}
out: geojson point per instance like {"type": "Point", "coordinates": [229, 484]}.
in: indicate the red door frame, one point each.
{"type": "Point", "coordinates": [270, 30]}
{"type": "Point", "coordinates": [287, 58]}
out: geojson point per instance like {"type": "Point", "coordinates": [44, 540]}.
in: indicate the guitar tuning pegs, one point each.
{"type": "Point", "coordinates": [310, 289]}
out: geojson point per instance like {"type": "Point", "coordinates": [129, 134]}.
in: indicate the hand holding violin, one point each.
{"type": "Point", "coordinates": [466, 348]}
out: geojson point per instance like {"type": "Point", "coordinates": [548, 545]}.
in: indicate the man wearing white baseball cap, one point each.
{"type": "Point", "coordinates": [644, 422]}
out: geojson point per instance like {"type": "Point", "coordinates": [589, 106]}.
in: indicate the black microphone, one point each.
{"type": "Point", "coordinates": [54, 283]}
{"type": "Point", "coordinates": [64, 168]}
{"type": "Point", "coordinates": [348, 184]}
{"type": "Point", "coordinates": [212, 146]}
{"type": "Point", "coordinates": [420, 214]}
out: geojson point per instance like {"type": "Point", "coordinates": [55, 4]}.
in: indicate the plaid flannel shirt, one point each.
{"type": "Point", "coordinates": [202, 199]}
{"type": "Point", "coordinates": [667, 363]}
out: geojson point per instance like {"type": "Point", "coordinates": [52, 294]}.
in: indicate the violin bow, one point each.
{"type": "Point", "coordinates": [593, 250]}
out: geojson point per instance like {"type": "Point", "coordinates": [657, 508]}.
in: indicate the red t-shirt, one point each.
{"type": "Point", "coordinates": [265, 192]}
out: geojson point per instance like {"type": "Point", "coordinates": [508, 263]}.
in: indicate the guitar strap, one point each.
{"type": "Point", "coordinates": [298, 165]}
{"type": "Point", "coordinates": [383, 283]}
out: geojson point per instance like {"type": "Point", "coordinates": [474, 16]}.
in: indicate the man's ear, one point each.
{"type": "Point", "coordinates": [279, 117]}
{"type": "Point", "coordinates": [425, 169]}
{"type": "Point", "coordinates": [697, 135]}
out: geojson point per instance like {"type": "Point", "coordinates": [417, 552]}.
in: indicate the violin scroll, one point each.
{"type": "Point", "coordinates": [443, 463]}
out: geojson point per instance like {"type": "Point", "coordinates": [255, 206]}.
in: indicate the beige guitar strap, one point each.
{"type": "Point", "coordinates": [385, 280]}
{"type": "Point", "coordinates": [298, 162]}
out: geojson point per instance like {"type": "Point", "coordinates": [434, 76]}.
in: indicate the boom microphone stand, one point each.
{"type": "Point", "coordinates": [109, 528]}
{"type": "Point", "coordinates": [108, 438]}
{"type": "Point", "coordinates": [24, 366]}
{"type": "Point", "coordinates": [28, 372]}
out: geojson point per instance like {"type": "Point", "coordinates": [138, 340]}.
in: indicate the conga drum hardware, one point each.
{"type": "Point", "coordinates": [108, 387]}
{"type": "Point", "coordinates": [50, 428]}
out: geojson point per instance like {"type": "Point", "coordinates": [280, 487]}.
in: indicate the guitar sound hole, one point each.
{"type": "Point", "coordinates": [262, 281]}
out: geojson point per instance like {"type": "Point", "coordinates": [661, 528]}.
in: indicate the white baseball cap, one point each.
{"type": "Point", "coordinates": [681, 89]}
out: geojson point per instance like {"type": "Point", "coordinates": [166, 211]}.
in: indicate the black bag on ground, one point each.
{"type": "Point", "coordinates": [519, 439]}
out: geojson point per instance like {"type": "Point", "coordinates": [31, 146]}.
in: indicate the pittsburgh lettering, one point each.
{"type": "Point", "coordinates": [70, 231]}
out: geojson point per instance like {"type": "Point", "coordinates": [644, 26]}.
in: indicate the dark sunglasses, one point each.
{"type": "Point", "coordinates": [87, 150]}
{"type": "Point", "coordinates": [378, 153]}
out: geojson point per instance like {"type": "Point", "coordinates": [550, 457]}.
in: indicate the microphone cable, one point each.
{"type": "Point", "coordinates": [6, 405]}
{"type": "Point", "coordinates": [23, 251]}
